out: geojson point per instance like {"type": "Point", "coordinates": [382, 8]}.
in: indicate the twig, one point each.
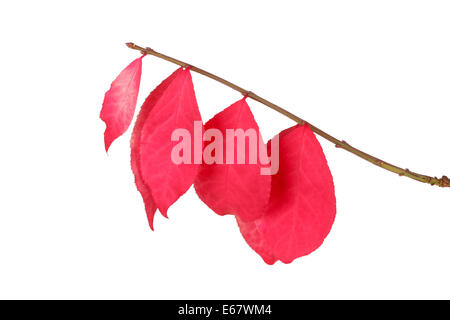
{"type": "Point", "coordinates": [442, 182]}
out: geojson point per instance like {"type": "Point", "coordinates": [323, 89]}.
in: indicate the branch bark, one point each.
{"type": "Point", "coordinates": [442, 182]}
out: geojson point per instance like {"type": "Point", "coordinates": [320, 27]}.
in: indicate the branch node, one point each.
{"type": "Point", "coordinates": [145, 51]}
{"type": "Point", "coordinates": [343, 142]}
{"type": "Point", "coordinates": [246, 94]}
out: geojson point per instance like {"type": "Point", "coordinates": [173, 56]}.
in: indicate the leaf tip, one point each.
{"type": "Point", "coordinates": [164, 213]}
{"type": "Point", "coordinates": [107, 143]}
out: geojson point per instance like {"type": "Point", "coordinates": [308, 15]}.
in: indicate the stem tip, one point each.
{"type": "Point", "coordinates": [444, 182]}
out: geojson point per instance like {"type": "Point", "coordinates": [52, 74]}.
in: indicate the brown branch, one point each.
{"type": "Point", "coordinates": [442, 182]}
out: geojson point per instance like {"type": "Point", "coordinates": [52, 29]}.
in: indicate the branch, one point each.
{"type": "Point", "coordinates": [442, 182]}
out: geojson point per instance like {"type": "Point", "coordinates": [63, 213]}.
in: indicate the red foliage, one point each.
{"type": "Point", "coordinates": [302, 204]}
{"type": "Point", "coordinates": [120, 102]}
{"type": "Point", "coordinates": [282, 217]}
{"type": "Point", "coordinates": [234, 188]}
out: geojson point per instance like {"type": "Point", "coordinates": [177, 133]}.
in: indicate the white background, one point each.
{"type": "Point", "coordinates": [375, 73]}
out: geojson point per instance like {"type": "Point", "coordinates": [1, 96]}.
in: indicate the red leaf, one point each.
{"type": "Point", "coordinates": [302, 204]}
{"type": "Point", "coordinates": [150, 102]}
{"type": "Point", "coordinates": [234, 188]}
{"type": "Point", "coordinates": [252, 236]}
{"type": "Point", "coordinates": [120, 102]}
{"type": "Point", "coordinates": [174, 107]}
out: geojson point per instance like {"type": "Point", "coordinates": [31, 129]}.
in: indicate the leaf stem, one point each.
{"type": "Point", "coordinates": [442, 182]}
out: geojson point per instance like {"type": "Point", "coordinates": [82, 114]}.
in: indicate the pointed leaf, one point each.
{"type": "Point", "coordinates": [231, 185]}
{"type": "Point", "coordinates": [252, 236]}
{"type": "Point", "coordinates": [302, 205]}
{"type": "Point", "coordinates": [175, 110]}
{"type": "Point", "coordinates": [120, 102]}
{"type": "Point", "coordinates": [144, 189]}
